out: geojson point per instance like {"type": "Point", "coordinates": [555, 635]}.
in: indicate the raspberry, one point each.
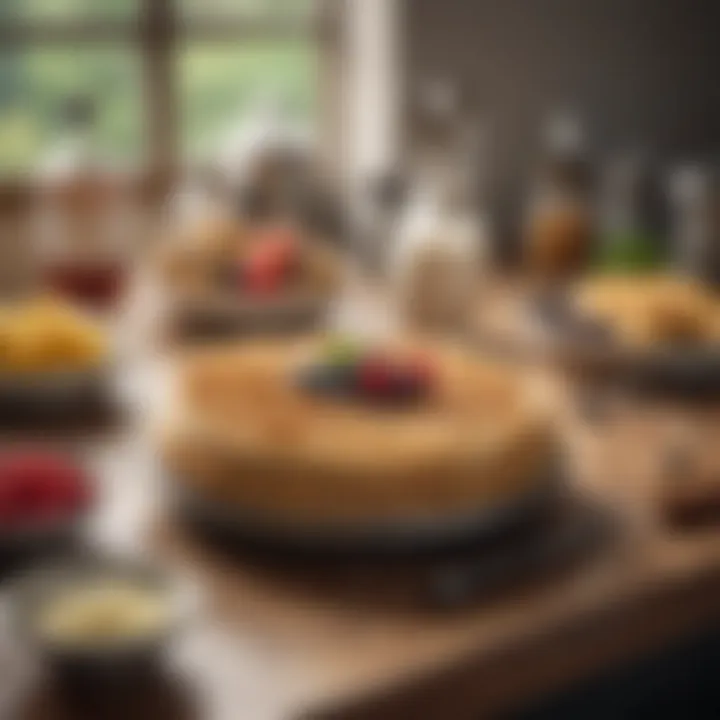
{"type": "Point", "coordinates": [375, 377]}
{"type": "Point", "coordinates": [28, 497]}
{"type": "Point", "coordinates": [35, 485]}
{"type": "Point", "coordinates": [8, 510]}
{"type": "Point", "coordinates": [71, 494]}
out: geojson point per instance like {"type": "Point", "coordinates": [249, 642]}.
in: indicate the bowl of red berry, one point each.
{"type": "Point", "coordinates": [45, 495]}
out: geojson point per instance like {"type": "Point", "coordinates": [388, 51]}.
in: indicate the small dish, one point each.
{"type": "Point", "coordinates": [54, 357]}
{"type": "Point", "coordinates": [96, 622]}
{"type": "Point", "coordinates": [591, 350]}
{"type": "Point", "coordinates": [45, 498]}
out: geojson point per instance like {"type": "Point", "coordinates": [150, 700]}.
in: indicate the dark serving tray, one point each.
{"type": "Point", "coordinates": [455, 562]}
{"type": "Point", "coordinates": [388, 537]}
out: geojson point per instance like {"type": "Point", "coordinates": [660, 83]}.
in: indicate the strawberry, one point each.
{"type": "Point", "coordinates": [270, 261]}
{"type": "Point", "coordinates": [262, 281]}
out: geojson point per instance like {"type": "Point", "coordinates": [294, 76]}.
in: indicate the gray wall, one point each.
{"type": "Point", "coordinates": [637, 71]}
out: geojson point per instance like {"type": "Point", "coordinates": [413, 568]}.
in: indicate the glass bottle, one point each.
{"type": "Point", "coordinates": [695, 195]}
{"type": "Point", "coordinates": [628, 241]}
{"type": "Point", "coordinates": [84, 216]}
{"type": "Point", "coordinates": [441, 239]}
{"type": "Point", "coordinates": [559, 224]}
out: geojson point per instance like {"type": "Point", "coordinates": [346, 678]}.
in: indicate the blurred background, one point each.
{"type": "Point", "coordinates": [172, 80]}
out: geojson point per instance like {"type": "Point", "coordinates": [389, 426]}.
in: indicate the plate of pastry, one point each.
{"type": "Point", "coordinates": [343, 444]}
{"type": "Point", "coordinates": [223, 276]}
{"type": "Point", "coordinates": [657, 331]}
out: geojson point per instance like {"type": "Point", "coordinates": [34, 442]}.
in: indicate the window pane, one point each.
{"type": "Point", "coordinates": [251, 8]}
{"type": "Point", "coordinates": [32, 10]}
{"type": "Point", "coordinates": [220, 84]}
{"type": "Point", "coordinates": [35, 85]}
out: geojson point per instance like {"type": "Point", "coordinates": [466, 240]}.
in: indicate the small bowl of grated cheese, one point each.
{"type": "Point", "coordinates": [97, 619]}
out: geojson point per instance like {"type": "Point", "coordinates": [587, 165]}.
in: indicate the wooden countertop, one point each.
{"type": "Point", "coordinates": [279, 646]}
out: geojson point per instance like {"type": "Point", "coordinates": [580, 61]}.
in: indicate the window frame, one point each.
{"type": "Point", "coordinates": [158, 32]}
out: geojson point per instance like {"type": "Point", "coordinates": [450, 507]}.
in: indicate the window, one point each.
{"type": "Point", "coordinates": [34, 85]}
{"type": "Point", "coordinates": [166, 76]}
{"type": "Point", "coordinates": [218, 81]}
{"type": "Point", "coordinates": [65, 10]}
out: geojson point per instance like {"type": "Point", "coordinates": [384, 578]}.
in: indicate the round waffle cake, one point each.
{"type": "Point", "coordinates": [241, 428]}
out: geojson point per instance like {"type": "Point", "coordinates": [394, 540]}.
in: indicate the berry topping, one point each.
{"type": "Point", "coordinates": [37, 486]}
{"type": "Point", "coordinates": [346, 369]}
{"type": "Point", "coordinates": [376, 378]}
{"type": "Point", "coordinates": [407, 385]}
